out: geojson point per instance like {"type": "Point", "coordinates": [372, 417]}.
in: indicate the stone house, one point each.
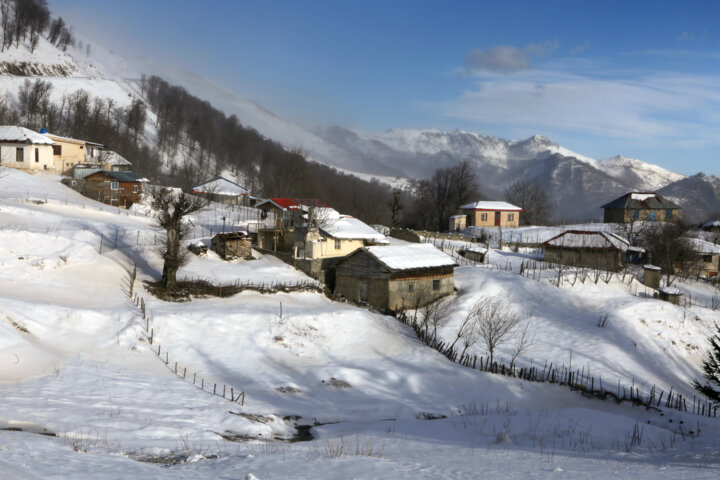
{"type": "Point", "coordinates": [644, 206]}
{"type": "Point", "coordinates": [395, 277]}
{"type": "Point", "coordinates": [277, 219]}
{"type": "Point", "coordinates": [25, 149]}
{"type": "Point", "coordinates": [220, 189]}
{"type": "Point", "coordinates": [231, 245]}
{"type": "Point", "coordinates": [590, 249]}
{"type": "Point", "coordinates": [491, 214]}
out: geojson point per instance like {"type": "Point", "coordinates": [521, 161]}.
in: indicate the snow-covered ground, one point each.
{"type": "Point", "coordinates": [75, 362]}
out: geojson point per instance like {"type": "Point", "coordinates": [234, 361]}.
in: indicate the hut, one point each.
{"type": "Point", "coordinates": [395, 277]}
{"type": "Point", "coordinates": [232, 245]}
{"type": "Point", "coordinates": [220, 189]}
{"type": "Point", "coordinates": [590, 249]}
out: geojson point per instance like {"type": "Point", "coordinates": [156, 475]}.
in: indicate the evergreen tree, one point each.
{"type": "Point", "coordinates": [711, 370]}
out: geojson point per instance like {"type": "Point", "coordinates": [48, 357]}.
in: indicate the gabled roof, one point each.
{"type": "Point", "coordinates": [293, 203]}
{"type": "Point", "coordinates": [704, 247]}
{"type": "Point", "coordinates": [15, 134]}
{"type": "Point", "coordinates": [60, 138]}
{"type": "Point", "coordinates": [589, 239]}
{"type": "Point", "coordinates": [347, 227]}
{"type": "Point", "coordinates": [491, 205]}
{"type": "Point", "coordinates": [410, 257]}
{"type": "Point", "coordinates": [121, 176]}
{"type": "Point", "coordinates": [114, 158]}
{"type": "Point", "coordinates": [220, 186]}
{"type": "Point", "coordinates": [641, 200]}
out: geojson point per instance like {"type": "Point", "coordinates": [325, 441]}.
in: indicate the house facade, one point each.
{"type": "Point", "coordinates": [491, 214]}
{"type": "Point", "coordinates": [640, 206]}
{"type": "Point", "coordinates": [708, 259]}
{"type": "Point", "coordinates": [395, 277]}
{"type": "Point", "coordinates": [25, 149]}
{"type": "Point", "coordinates": [590, 249]}
{"type": "Point", "coordinates": [121, 189]}
{"type": "Point", "coordinates": [336, 236]}
{"type": "Point", "coordinates": [278, 218]}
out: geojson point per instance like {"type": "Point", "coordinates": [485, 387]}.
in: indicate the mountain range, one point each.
{"type": "Point", "coordinates": [576, 184]}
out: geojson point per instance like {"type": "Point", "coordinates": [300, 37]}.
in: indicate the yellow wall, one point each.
{"type": "Point", "coordinates": [490, 220]}
{"type": "Point", "coordinates": [72, 153]}
{"type": "Point", "coordinates": [326, 248]}
{"type": "Point", "coordinates": [8, 156]}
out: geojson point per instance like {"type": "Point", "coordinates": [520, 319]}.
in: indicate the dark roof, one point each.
{"type": "Point", "coordinates": [641, 200]}
{"type": "Point", "coordinates": [293, 203]}
{"type": "Point", "coordinates": [121, 176]}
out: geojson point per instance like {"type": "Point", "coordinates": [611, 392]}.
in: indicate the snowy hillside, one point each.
{"type": "Point", "coordinates": [75, 362]}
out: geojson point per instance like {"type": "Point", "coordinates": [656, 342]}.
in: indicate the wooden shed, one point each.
{"type": "Point", "coordinates": [232, 245]}
{"type": "Point", "coordinates": [395, 277]}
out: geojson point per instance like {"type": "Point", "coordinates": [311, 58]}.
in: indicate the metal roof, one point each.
{"type": "Point", "coordinates": [641, 201]}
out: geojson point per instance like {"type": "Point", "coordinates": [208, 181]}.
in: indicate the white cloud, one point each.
{"type": "Point", "coordinates": [666, 108]}
{"type": "Point", "coordinates": [507, 59]}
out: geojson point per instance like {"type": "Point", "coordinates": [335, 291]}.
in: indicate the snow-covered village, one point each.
{"type": "Point", "coordinates": [226, 257]}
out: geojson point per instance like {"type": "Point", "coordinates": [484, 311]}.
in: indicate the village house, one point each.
{"type": "Point", "coordinates": [220, 189]}
{"type": "Point", "coordinates": [121, 189]}
{"type": "Point", "coordinates": [395, 277]}
{"type": "Point", "coordinates": [25, 149]}
{"type": "Point", "coordinates": [69, 152]}
{"type": "Point", "coordinates": [643, 206]}
{"type": "Point", "coordinates": [712, 226]}
{"type": "Point", "coordinates": [277, 219]}
{"type": "Point", "coordinates": [708, 259]}
{"type": "Point", "coordinates": [335, 236]}
{"type": "Point", "coordinates": [489, 214]}
{"type": "Point", "coordinates": [590, 249]}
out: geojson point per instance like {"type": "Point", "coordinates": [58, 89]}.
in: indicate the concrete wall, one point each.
{"type": "Point", "coordinates": [611, 260]}
{"type": "Point", "coordinates": [43, 160]}
{"type": "Point", "coordinates": [326, 248]}
{"type": "Point", "coordinates": [71, 154]}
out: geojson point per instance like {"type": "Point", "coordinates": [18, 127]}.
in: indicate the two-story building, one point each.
{"type": "Point", "coordinates": [640, 206]}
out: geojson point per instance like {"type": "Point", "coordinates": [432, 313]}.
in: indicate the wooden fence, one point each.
{"type": "Point", "coordinates": [577, 380]}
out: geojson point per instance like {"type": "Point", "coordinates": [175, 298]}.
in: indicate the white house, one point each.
{"type": "Point", "coordinates": [25, 149]}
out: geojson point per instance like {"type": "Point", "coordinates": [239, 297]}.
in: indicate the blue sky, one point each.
{"type": "Point", "coordinates": [640, 79]}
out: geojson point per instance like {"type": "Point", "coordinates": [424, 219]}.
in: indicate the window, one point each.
{"type": "Point", "coordinates": [511, 217]}
{"type": "Point", "coordinates": [37, 155]}
{"type": "Point", "coordinates": [337, 244]}
{"type": "Point", "coordinates": [636, 214]}
{"type": "Point", "coordinates": [483, 217]}
{"type": "Point", "coordinates": [707, 258]}
{"type": "Point", "coordinates": [436, 284]}
{"type": "Point", "coordinates": [114, 186]}
{"type": "Point", "coordinates": [135, 189]}
{"type": "Point", "coordinates": [19, 154]}
{"type": "Point", "coordinates": [668, 214]}
{"type": "Point", "coordinates": [81, 147]}
{"type": "Point", "coordinates": [652, 216]}
{"type": "Point", "coordinates": [57, 149]}
{"type": "Point", "coordinates": [411, 287]}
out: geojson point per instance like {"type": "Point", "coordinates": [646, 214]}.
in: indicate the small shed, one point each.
{"type": "Point", "coordinates": [590, 249]}
{"type": "Point", "coordinates": [651, 276]}
{"type": "Point", "coordinates": [232, 245]}
{"type": "Point", "coordinates": [395, 277]}
{"type": "Point", "coordinates": [670, 294]}
{"type": "Point", "coordinates": [457, 223]}
{"type": "Point", "coordinates": [476, 254]}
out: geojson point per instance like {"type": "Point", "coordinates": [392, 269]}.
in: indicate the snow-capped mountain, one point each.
{"type": "Point", "coordinates": [577, 184]}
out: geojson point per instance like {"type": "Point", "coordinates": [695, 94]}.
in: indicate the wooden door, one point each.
{"type": "Point", "coordinates": [497, 219]}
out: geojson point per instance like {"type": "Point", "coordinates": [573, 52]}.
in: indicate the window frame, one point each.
{"type": "Point", "coordinates": [114, 185]}
{"type": "Point", "coordinates": [20, 152]}
{"type": "Point", "coordinates": [338, 244]}
{"type": "Point", "coordinates": [436, 285]}
{"type": "Point", "coordinates": [483, 217]}
{"type": "Point", "coordinates": [510, 217]}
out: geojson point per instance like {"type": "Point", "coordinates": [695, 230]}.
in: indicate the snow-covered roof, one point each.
{"type": "Point", "coordinates": [114, 158]}
{"type": "Point", "coordinates": [491, 205]}
{"type": "Point", "coordinates": [590, 239]}
{"type": "Point", "coordinates": [704, 247]}
{"type": "Point", "coordinates": [293, 203]}
{"type": "Point", "coordinates": [647, 266]}
{"type": "Point", "coordinates": [12, 133]}
{"type": "Point", "coordinates": [641, 200]}
{"type": "Point", "coordinates": [670, 290]}
{"type": "Point", "coordinates": [477, 249]}
{"type": "Point", "coordinates": [219, 186]}
{"type": "Point", "coordinates": [349, 227]}
{"type": "Point", "coordinates": [712, 224]}
{"type": "Point", "coordinates": [410, 257]}
{"type": "Point", "coordinates": [52, 136]}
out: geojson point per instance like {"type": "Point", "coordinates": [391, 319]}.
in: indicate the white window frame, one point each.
{"type": "Point", "coordinates": [114, 185]}
{"type": "Point", "coordinates": [483, 217]}
{"type": "Point", "coordinates": [511, 217]}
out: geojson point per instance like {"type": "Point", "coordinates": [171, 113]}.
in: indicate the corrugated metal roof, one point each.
{"type": "Point", "coordinates": [122, 176]}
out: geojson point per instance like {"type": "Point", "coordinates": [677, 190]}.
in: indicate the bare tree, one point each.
{"type": "Point", "coordinates": [434, 314]}
{"type": "Point", "coordinates": [172, 208]}
{"type": "Point", "coordinates": [633, 231]}
{"type": "Point", "coordinates": [523, 341]}
{"type": "Point", "coordinates": [670, 248]}
{"type": "Point", "coordinates": [495, 322]}
{"type": "Point", "coordinates": [532, 198]}
{"type": "Point", "coordinates": [395, 208]}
